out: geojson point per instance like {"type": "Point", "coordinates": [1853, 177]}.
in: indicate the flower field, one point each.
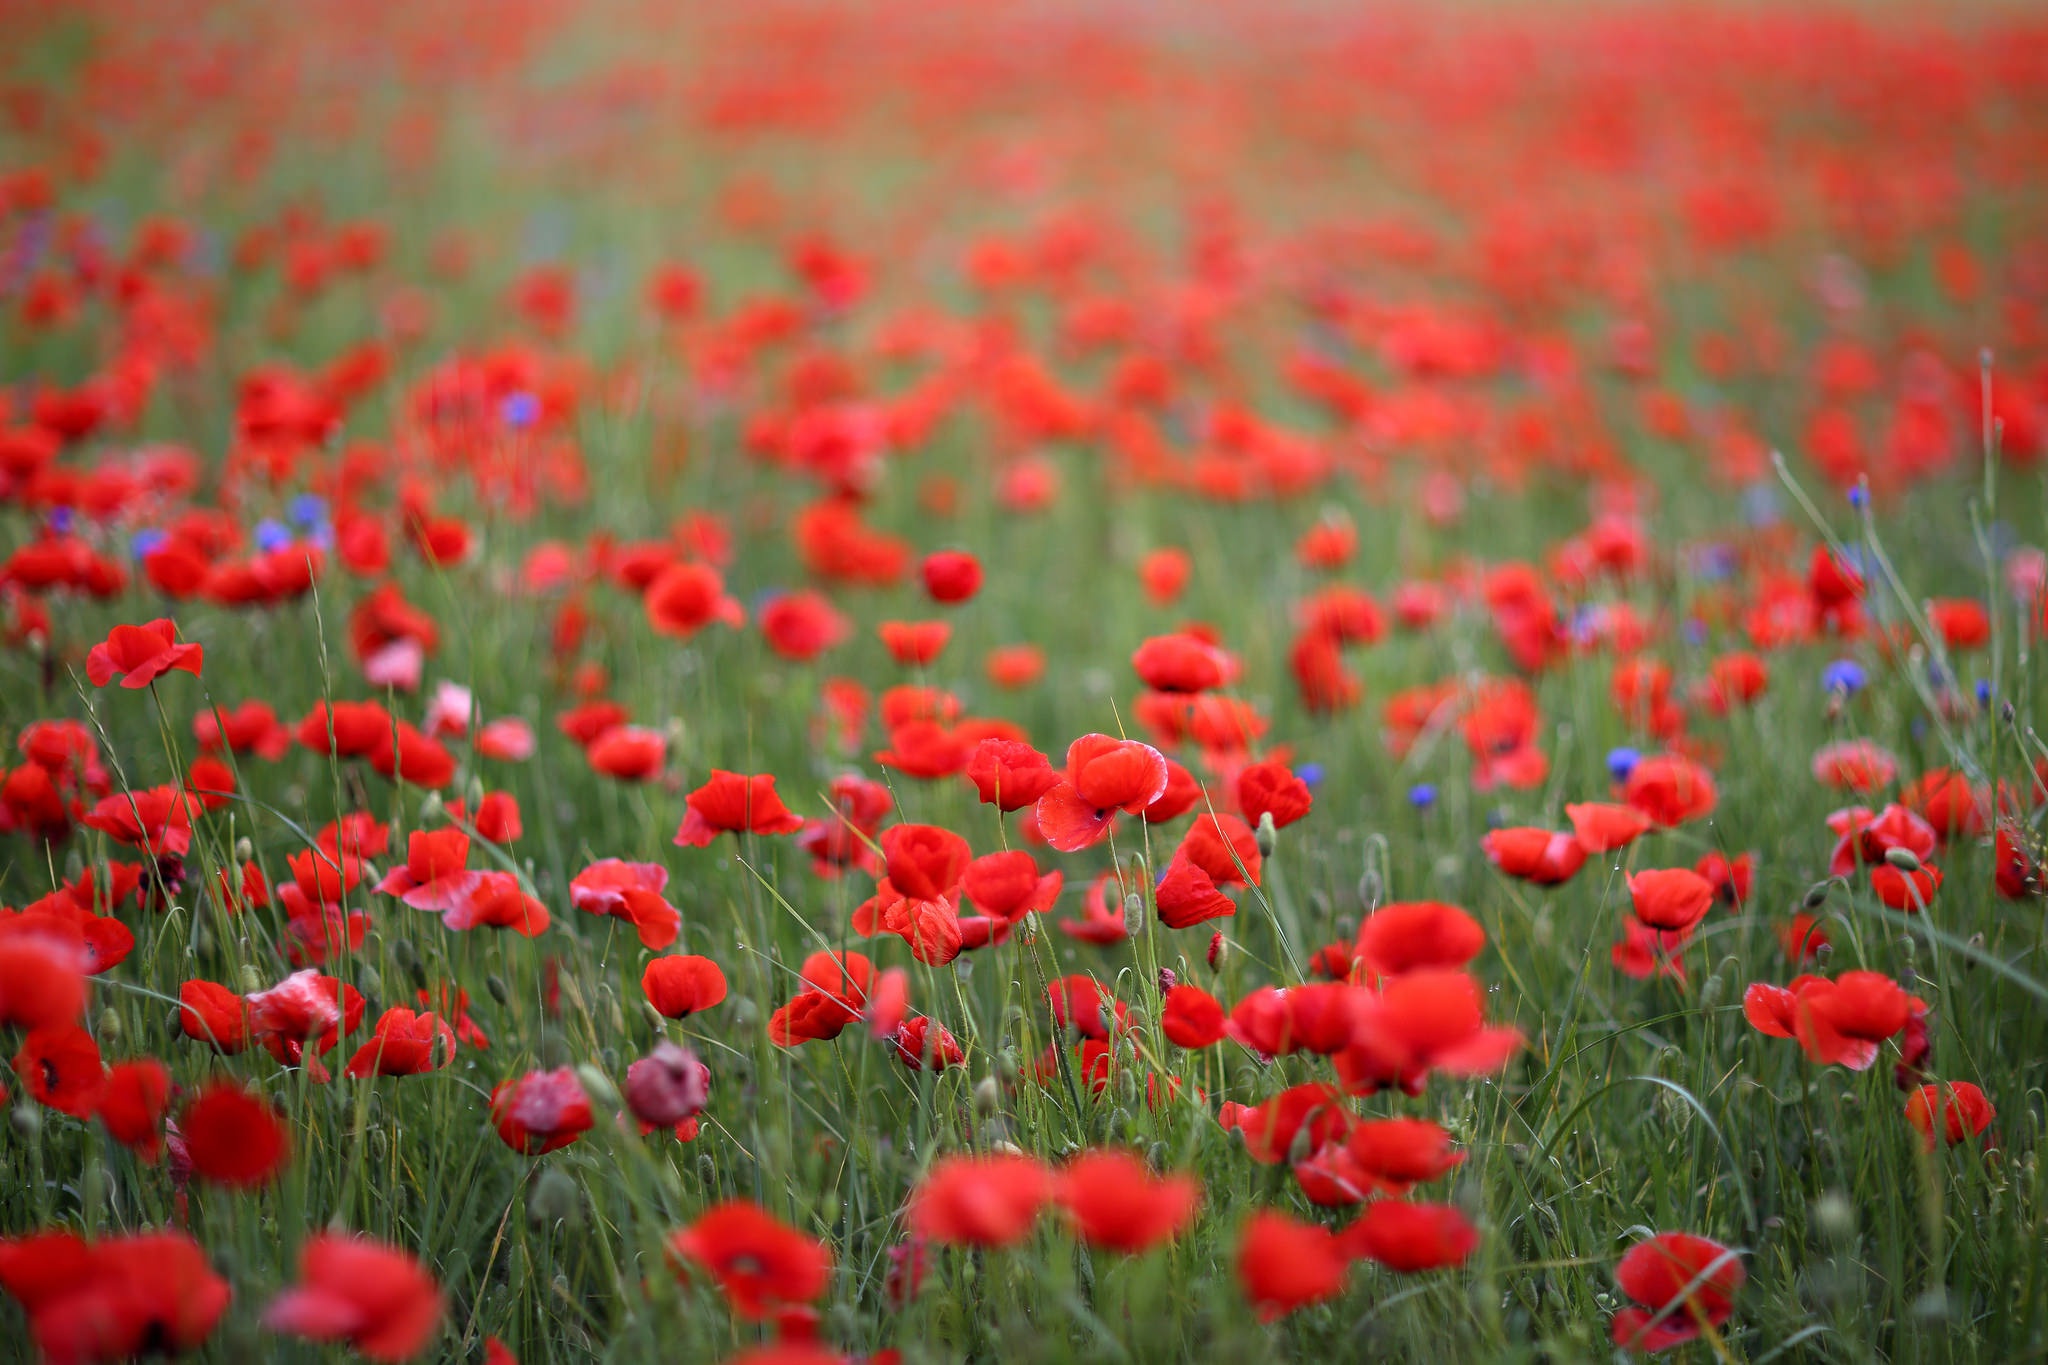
{"type": "Point", "coordinates": [1027, 681]}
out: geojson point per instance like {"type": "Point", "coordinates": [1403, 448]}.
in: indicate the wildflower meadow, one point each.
{"type": "Point", "coordinates": [1026, 681]}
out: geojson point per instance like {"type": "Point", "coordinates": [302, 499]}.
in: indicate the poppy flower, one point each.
{"type": "Point", "coordinates": [1534, 855]}
{"type": "Point", "coordinates": [1010, 775]}
{"type": "Point", "coordinates": [157, 820]}
{"type": "Point", "coordinates": [915, 643]}
{"type": "Point", "coordinates": [347, 729]}
{"type": "Point", "coordinates": [404, 1044]}
{"type": "Point", "coordinates": [1190, 1017]}
{"type": "Point", "coordinates": [1283, 1265]}
{"type": "Point", "coordinates": [1671, 789]}
{"type": "Point", "coordinates": [434, 874]}
{"type": "Point", "coordinates": [233, 1138]}
{"type": "Point", "coordinates": [1270, 787]}
{"type": "Point", "coordinates": [682, 985]}
{"type": "Point", "coordinates": [1947, 1113]}
{"type": "Point", "coordinates": [251, 728]}
{"type": "Point", "coordinates": [1224, 847]}
{"type": "Point", "coordinates": [115, 1299]}
{"type": "Point", "coordinates": [1671, 899]}
{"type": "Point", "coordinates": [668, 1086]}
{"type": "Point", "coordinates": [1181, 662]}
{"type": "Point", "coordinates": [541, 1111]}
{"type": "Point", "coordinates": [980, 1201]}
{"type": "Point", "coordinates": [507, 739]}
{"type": "Point", "coordinates": [42, 974]}
{"type": "Point", "coordinates": [379, 1299]}
{"type": "Point", "coordinates": [1730, 877]}
{"type": "Point", "coordinates": [59, 1065]}
{"type": "Point", "coordinates": [1867, 839]}
{"type": "Point", "coordinates": [495, 900]}
{"type": "Point", "coordinates": [1080, 1003]}
{"type": "Point", "coordinates": [628, 753]}
{"type": "Point", "coordinates": [685, 598]}
{"type": "Point", "coordinates": [405, 754]}
{"type": "Point", "coordinates": [800, 626]}
{"type": "Point", "coordinates": [1950, 802]}
{"type": "Point", "coordinates": [1409, 1237]}
{"type": "Point", "coordinates": [1311, 1116]}
{"type": "Point", "coordinates": [133, 1104]}
{"type": "Point", "coordinates": [950, 576]}
{"type": "Point", "coordinates": [1856, 765]}
{"type": "Point", "coordinates": [139, 655]}
{"type": "Point", "coordinates": [760, 1262]}
{"type": "Point", "coordinates": [1907, 890]}
{"type": "Point", "coordinates": [1844, 1020]}
{"type": "Point", "coordinates": [734, 803]}
{"type": "Point", "coordinates": [211, 1013]}
{"type": "Point", "coordinates": [1114, 1202]}
{"type": "Point", "coordinates": [1008, 885]}
{"type": "Point", "coordinates": [1684, 1284]}
{"type": "Point", "coordinates": [631, 892]}
{"type": "Point", "coordinates": [1602, 826]}
{"type": "Point", "coordinates": [922, 1044]}
{"type": "Point", "coordinates": [1418, 1023]}
{"type": "Point", "coordinates": [1014, 666]}
{"type": "Point", "coordinates": [1103, 775]}
{"type": "Point", "coordinates": [1406, 936]}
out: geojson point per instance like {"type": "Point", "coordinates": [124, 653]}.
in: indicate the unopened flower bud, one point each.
{"type": "Point", "coordinates": [1816, 896]}
{"type": "Point", "coordinates": [597, 1085]}
{"type": "Point", "coordinates": [1219, 948]}
{"type": "Point", "coordinates": [554, 1199]}
{"type": "Point", "coordinates": [244, 850]}
{"type": "Point", "coordinates": [499, 991]}
{"type": "Point", "coordinates": [1167, 980]}
{"type": "Point", "coordinates": [1267, 835]}
{"type": "Point", "coordinates": [431, 808]}
{"type": "Point", "coordinates": [988, 1096]}
{"type": "Point", "coordinates": [1134, 914]}
{"type": "Point", "coordinates": [1904, 859]}
{"type": "Point", "coordinates": [110, 1025]}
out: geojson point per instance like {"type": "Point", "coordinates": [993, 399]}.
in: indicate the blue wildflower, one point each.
{"type": "Point", "coordinates": [147, 542]}
{"type": "Point", "coordinates": [308, 510]}
{"type": "Point", "coordinates": [1311, 774]}
{"type": "Point", "coordinates": [272, 535]}
{"type": "Point", "coordinates": [1422, 796]}
{"type": "Point", "coordinates": [1845, 676]}
{"type": "Point", "coordinates": [520, 410]}
{"type": "Point", "coordinates": [1621, 762]}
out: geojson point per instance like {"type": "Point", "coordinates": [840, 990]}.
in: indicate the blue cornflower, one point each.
{"type": "Point", "coordinates": [1845, 676]}
{"type": "Point", "coordinates": [1311, 774]}
{"type": "Point", "coordinates": [520, 410]}
{"type": "Point", "coordinates": [1422, 796]}
{"type": "Point", "coordinates": [272, 535]}
{"type": "Point", "coordinates": [1621, 762]}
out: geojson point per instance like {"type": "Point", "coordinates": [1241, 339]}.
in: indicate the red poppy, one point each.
{"type": "Point", "coordinates": [434, 875]}
{"type": "Point", "coordinates": [42, 973]}
{"type": "Point", "coordinates": [1671, 899]}
{"type": "Point", "coordinates": [379, 1299]}
{"type": "Point", "coordinates": [981, 1201]}
{"type": "Point", "coordinates": [1410, 1237]}
{"type": "Point", "coordinates": [1187, 895]}
{"type": "Point", "coordinates": [734, 803]}
{"type": "Point", "coordinates": [1283, 1265]}
{"type": "Point", "coordinates": [1422, 1022]}
{"type": "Point", "coordinates": [59, 1065]}
{"type": "Point", "coordinates": [1855, 764]}
{"type": "Point", "coordinates": [251, 728]}
{"type": "Point", "coordinates": [950, 576]}
{"type": "Point", "coordinates": [404, 1044]}
{"type": "Point", "coordinates": [629, 753]}
{"type": "Point", "coordinates": [1670, 789]}
{"type": "Point", "coordinates": [139, 655]}
{"type": "Point", "coordinates": [631, 892]}
{"type": "Point", "coordinates": [1010, 775]}
{"type": "Point", "coordinates": [1908, 889]}
{"type": "Point", "coordinates": [1406, 936]}
{"type": "Point", "coordinates": [133, 1105]}
{"type": "Point", "coordinates": [1103, 775]}
{"type": "Point", "coordinates": [1008, 885]}
{"type": "Point", "coordinates": [1181, 663]}
{"type": "Point", "coordinates": [1271, 788]}
{"type": "Point", "coordinates": [540, 1111]}
{"type": "Point", "coordinates": [1947, 1113]}
{"type": "Point", "coordinates": [761, 1263]}
{"type": "Point", "coordinates": [802, 625]}
{"type": "Point", "coordinates": [1534, 855]}
{"type": "Point", "coordinates": [157, 820]}
{"type": "Point", "coordinates": [233, 1138]}
{"type": "Point", "coordinates": [685, 598]}
{"type": "Point", "coordinates": [1115, 1202]}
{"type": "Point", "coordinates": [1191, 1017]}
{"type": "Point", "coordinates": [915, 643]}
{"type": "Point", "coordinates": [680, 986]}
{"type": "Point", "coordinates": [211, 1013]}
{"type": "Point", "coordinates": [347, 729]}
{"type": "Point", "coordinates": [1602, 827]}
{"type": "Point", "coordinates": [1685, 1284]}
{"type": "Point", "coordinates": [1223, 846]}
{"type": "Point", "coordinates": [496, 900]}
{"type": "Point", "coordinates": [114, 1299]}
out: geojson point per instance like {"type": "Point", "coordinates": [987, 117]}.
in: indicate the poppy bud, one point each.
{"type": "Point", "coordinates": [431, 808]}
{"type": "Point", "coordinates": [369, 982]}
{"type": "Point", "coordinates": [252, 980]}
{"type": "Point", "coordinates": [1267, 835]}
{"type": "Point", "coordinates": [499, 991]}
{"type": "Point", "coordinates": [1835, 1216]}
{"type": "Point", "coordinates": [555, 1199]}
{"type": "Point", "coordinates": [110, 1026]}
{"type": "Point", "coordinates": [403, 952]}
{"type": "Point", "coordinates": [1134, 914]}
{"type": "Point", "coordinates": [1218, 950]}
{"type": "Point", "coordinates": [27, 1121]}
{"type": "Point", "coordinates": [244, 849]}
{"type": "Point", "coordinates": [1167, 980]}
{"type": "Point", "coordinates": [1903, 859]}
{"type": "Point", "coordinates": [1816, 896]}
{"type": "Point", "coordinates": [597, 1085]}
{"type": "Point", "coordinates": [707, 1169]}
{"type": "Point", "coordinates": [988, 1096]}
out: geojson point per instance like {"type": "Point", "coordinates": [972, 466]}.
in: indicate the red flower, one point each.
{"type": "Point", "coordinates": [1858, 765]}
{"type": "Point", "coordinates": [761, 1263]}
{"type": "Point", "coordinates": [42, 973]}
{"type": "Point", "coordinates": [950, 576]}
{"type": "Point", "coordinates": [404, 1044]}
{"type": "Point", "coordinates": [1947, 1113]}
{"type": "Point", "coordinates": [1899, 889]}
{"type": "Point", "coordinates": [629, 753]}
{"type": "Point", "coordinates": [802, 625]}
{"type": "Point", "coordinates": [1400, 1153]}
{"type": "Point", "coordinates": [631, 892]}
{"type": "Point", "coordinates": [982, 1201]}
{"type": "Point", "coordinates": [379, 1299]}
{"type": "Point", "coordinates": [1271, 788]}
{"type": "Point", "coordinates": [685, 598]}
{"type": "Point", "coordinates": [1731, 877]}
{"type": "Point", "coordinates": [434, 875]}
{"type": "Point", "coordinates": [157, 820]}
{"type": "Point", "coordinates": [1534, 855]}
{"type": "Point", "coordinates": [137, 1096]}
{"type": "Point", "coordinates": [1407, 936]}
{"type": "Point", "coordinates": [680, 986]}
{"type": "Point", "coordinates": [1671, 899]}
{"type": "Point", "coordinates": [60, 1066]}
{"type": "Point", "coordinates": [915, 643]}
{"type": "Point", "coordinates": [1422, 1022]}
{"type": "Point", "coordinates": [1103, 775]}
{"type": "Point", "coordinates": [1670, 789]}
{"type": "Point", "coordinates": [1114, 1201]}
{"type": "Point", "coordinates": [233, 1138]}
{"type": "Point", "coordinates": [1008, 886]}
{"type": "Point", "coordinates": [1010, 775]}
{"type": "Point", "coordinates": [211, 1013]}
{"type": "Point", "coordinates": [733, 803]}
{"type": "Point", "coordinates": [1284, 1265]}
{"type": "Point", "coordinates": [1411, 1237]}
{"type": "Point", "coordinates": [1191, 1017]}
{"type": "Point", "coordinates": [1602, 826]}
{"type": "Point", "coordinates": [1224, 847]}
{"type": "Point", "coordinates": [115, 1299]}
{"type": "Point", "coordinates": [139, 655]}
{"type": "Point", "coordinates": [1181, 663]}
{"type": "Point", "coordinates": [1660, 1274]}
{"type": "Point", "coordinates": [541, 1111]}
